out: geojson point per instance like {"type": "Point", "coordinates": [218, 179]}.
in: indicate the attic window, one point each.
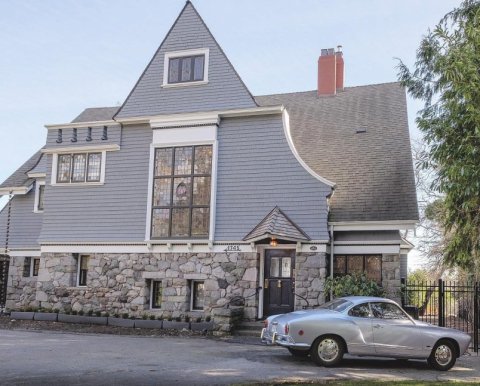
{"type": "Point", "coordinates": [183, 68]}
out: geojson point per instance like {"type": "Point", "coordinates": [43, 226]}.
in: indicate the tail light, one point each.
{"type": "Point", "coordinates": [287, 329]}
{"type": "Point", "coordinates": [265, 323]}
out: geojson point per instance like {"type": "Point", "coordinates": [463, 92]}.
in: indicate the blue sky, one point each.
{"type": "Point", "coordinates": [60, 56]}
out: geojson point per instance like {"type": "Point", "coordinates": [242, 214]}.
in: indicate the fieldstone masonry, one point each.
{"type": "Point", "coordinates": [391, 276]}
{"type": "Point", "coordinates": [21, 290]}
{"type": "Point", "coordinates": [120, 283]}
{"type": "Point", "coordinates": [310, 273]}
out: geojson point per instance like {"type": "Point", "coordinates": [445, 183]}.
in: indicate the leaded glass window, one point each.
{"type": "Point", "coordinates": [186, 69]}
{"type": "Point", "coordinates": [181, 192]}
{"type": "Point", "coordinates": [371, 265]}
{"type": "Point", "coordinates": [79, 167]}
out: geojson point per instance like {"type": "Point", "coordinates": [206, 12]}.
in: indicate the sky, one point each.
{"type": "Point", "coordinates": [61, 56]}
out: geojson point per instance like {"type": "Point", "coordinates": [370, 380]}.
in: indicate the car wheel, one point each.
{"type": "Point", "coordinates": [443, 356]}
{"type": "Point", "coordinates": [299, 353]}
{"type": "Point", "coordinates": [328, 351]}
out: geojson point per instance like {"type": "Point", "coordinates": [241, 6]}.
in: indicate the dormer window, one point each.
{"type": "Point", "coordinates": [183, 68]}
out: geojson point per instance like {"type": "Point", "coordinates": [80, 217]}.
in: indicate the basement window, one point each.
{"type": "Point", "coordinates": [197, 295]}
{"type": "Point", "coordinates": [82, 270]}
{"type": "Point", "coordinates": [156, 294]}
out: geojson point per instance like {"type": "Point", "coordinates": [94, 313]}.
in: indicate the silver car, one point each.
{"type": "Point", "coordinates": [364, 326]}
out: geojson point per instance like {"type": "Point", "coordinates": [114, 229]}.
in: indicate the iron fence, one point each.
{"type": "Point", "coordinates": [445, 304]}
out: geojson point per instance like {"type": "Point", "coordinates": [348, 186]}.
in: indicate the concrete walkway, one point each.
{"type": "Point", "coordinates": [40, 358]}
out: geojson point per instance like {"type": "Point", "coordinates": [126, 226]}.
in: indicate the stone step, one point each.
{"type": "Point", "coordinates": [256, 326]}
{"type": "Point", "coordinates": [250, 333]}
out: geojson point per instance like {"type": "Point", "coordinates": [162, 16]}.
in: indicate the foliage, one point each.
{"type": "Point", "coordinates": [446, 78]}
{"type": "Point", "coordinates": [353, 284]}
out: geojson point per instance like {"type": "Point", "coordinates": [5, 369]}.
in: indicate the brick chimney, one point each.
{"type": "Point", "coordinates": [330, 71]}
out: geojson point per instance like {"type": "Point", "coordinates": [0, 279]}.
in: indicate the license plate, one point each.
{"type": "Point", "coordinates": [274, 329]}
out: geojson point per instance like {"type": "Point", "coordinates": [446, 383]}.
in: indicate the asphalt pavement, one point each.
{"type": "Point", "coordinates": [58, 358]}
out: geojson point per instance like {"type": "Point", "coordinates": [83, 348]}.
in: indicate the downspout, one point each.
{"type": "Point", "coordinates": [332, 247]}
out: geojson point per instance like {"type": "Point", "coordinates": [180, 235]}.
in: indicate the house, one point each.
{"type": "Point", "coordinates": [194, 192]}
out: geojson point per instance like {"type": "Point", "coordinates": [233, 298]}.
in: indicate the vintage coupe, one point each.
{"type": "Point", "coordinates": [364, 326]}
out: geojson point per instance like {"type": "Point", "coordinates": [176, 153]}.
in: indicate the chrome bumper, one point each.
{"type": "Point", "coordinates": [280, 340]}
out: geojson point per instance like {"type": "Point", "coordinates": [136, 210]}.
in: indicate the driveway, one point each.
{"type": "Point", "coordinates": [39, 358]}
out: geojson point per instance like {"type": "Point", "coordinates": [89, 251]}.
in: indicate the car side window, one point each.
{"type": "Point", "coordinates": [360, 311]}
{"type": "Point", "coordinates": [387, 311]}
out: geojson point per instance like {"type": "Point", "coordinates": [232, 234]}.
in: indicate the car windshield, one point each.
{"type": "Point", "coordinates": [338, 305]}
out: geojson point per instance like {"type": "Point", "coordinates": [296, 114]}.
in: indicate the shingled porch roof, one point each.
{"type": "Point", "coordinates": [277, 224]}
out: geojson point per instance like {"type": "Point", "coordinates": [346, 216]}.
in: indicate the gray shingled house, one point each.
{"type": "Point", "coordinates": [194, 191]}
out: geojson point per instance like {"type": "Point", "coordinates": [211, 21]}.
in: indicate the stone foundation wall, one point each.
{"type": "Point", "coordinates": [20, 290]}
{"type": "Point", "coordinates": [120, 283]}
{"type": "Point", "coordinates": [391, 276]}
{"type": "Point", "coordinates": [310, 273]}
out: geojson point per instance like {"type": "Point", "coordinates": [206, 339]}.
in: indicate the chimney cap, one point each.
{"type": "Point", "coordinates": [327, 51]}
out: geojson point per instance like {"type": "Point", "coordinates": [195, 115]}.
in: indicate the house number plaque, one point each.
{"type": "Point", "coordinates": [232, 248]}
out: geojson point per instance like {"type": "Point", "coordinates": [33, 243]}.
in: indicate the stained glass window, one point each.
{"type": "Point", "coordinates": [79, 167]}
{"type": "Point", "coordinates": [181, 192]}
{"type": "Point", "coordinates": [371, 265]}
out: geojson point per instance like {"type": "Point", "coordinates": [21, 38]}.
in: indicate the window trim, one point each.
{"type": "Point", "coordinates": [181, 54]}
{"type": "Point", "coordinates": [39, 183]}
{"type": "Point", "coordinates": [192, 286]}
{"type": "Point", "coordinates": [151, 293]}
{"type": "Point", "coordinates": [101, 181]}
{"type": "Point", "coordinates": [31, 266]}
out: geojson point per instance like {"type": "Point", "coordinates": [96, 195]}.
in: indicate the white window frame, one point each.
{"type": "Point", "coordinates": [73, 151]}
{"type": "Point", "coordinates": [38, 183]}
{"type": "Point", "coordinates": [151, 293]}
{"type": "Point", "coordinates": [79, 263]}
{"type": "Point", "coordinates": [181, 54]}
{"type": "Point", "coordinates": [192, 286]}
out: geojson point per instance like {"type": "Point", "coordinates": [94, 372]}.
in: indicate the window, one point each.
{"type": "Point", "coordinates": [188, 67]}
{"type": "Point", "coordinates": [36, 267]}
{"type": "Point", "coordinates": [156, 294]}
{"type": "Point", "coordinates": [360, 311]}
{"type": "Point", "coordinates": [197, 295]}
{"type": "Point", "coordinates": [41, 195]}
{"type": "Point", "coordinates": [79, 167]}
{"type": "Point", "coordinates": [82, 270]}
{"type": "Point", "coordinates": [387, 311]}
{"type": "Point", "coordinates": [31, 266]}
{"type": "Point", "coordinates": [348, 264]}
{"type": "Point", "coordinates": [27, 264]}
{"type": "Point", "coordinates": [181, 192]}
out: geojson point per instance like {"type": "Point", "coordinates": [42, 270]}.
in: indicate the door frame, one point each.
{"type": "Point", "coordinates": [261, 272]}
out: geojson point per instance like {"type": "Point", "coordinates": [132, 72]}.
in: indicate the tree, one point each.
{"type": "Point", "coordinates": [446, 78]}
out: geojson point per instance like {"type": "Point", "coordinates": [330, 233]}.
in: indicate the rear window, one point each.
{"type": "Point", "coordinates": [338, 305]}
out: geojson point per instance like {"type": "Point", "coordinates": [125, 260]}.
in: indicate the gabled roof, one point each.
{"type": "Point", "coordinates": [277, 224]}
{"type": "Point", "coordinates": [373, 170]}
{"type": "Point", "coordinates": [19, 179]}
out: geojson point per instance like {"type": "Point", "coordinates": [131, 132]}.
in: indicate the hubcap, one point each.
{"type": "Point", "coordinates": [328, 350]}
{"type": "Point", "coordinates": [443, 355]}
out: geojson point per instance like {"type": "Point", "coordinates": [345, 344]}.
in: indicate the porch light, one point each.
{"type": "Point", "coordinates": [273, 242]}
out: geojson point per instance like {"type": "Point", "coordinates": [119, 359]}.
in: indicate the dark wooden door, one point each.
{"type": "Point", "coordinates": [279, 281]}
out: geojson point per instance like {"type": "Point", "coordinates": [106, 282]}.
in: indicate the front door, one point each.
{"type": "Point", "coordinates": [279, 281]}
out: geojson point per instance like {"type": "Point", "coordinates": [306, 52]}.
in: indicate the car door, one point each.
{"type": "Point", "coordinates": [394, 333]}
{"type": "Point", "coordinates": [362, 343]}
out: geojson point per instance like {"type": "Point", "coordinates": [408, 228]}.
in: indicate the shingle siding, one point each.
{"type": "Point", "coordinates": [224, 90]}
{"type": "Point", "coordinates": [256, 172]}
{"type": "Point", "coordinates": [115, 211]}
{"type": "Point", "coordinates": [24, 224]}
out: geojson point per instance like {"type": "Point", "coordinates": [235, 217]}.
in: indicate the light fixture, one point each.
{"type": "Point", "coordinates": [273, 242]}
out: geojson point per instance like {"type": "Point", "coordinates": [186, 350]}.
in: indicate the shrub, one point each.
{"type": "Point", "coordinates": [74, 312]}
{"type": "Point", "coordinates": [98, 313]}
{"type": "Point", "coordinates": [56, 310]}
{"type": "Point", "coordinates": [160, 317]}
{"type": "Point", "coordinates": [199, 319]}
{"type": "Point", "coordinates": [353, 285]}
{"type": "Point", "coordinates": [107, 314]}
{"type": "Point", "coordinates": [144, 316]}
{"type": "Point", "coordinates": [178, 319]}
{"type": "Point", "coordinates": [125, 315]}
{"type": "Point", "coordinates": [116, 315]}
{"type": "Point", "coordinates": [187, 318]}
{"type": "Point", "coordinates": [152, 317]}
{"type": "Point", "coordinates": [208, 318]}
{"type": "Point", "coordinates": [132, 317]}
{"type": "Point", "coordinates": [81, 312]}
{"type": "Point", "coordinates": [90, 312]}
